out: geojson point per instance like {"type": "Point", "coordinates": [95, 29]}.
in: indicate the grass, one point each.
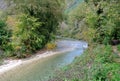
{"type": "Point", "coordinates": [1, 60]}
{"type": "Point", "coordinates": [118, 47]}
{"type": "Point", "coordinates": [96, 64]}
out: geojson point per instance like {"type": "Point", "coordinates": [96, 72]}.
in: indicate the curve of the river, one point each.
{"type": "Point", "coordinates": [42, 69]}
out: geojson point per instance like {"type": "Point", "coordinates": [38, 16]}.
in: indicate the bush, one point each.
{"type": "Point", "coordinates": [96, 64]}
{"type": "Point", "coordinates": [50, 46]}
{"type": "Point", "coordinates": [2, 31]}
{"type": "Point", "coordinates": [96, 16]}
{"type": "Point", "coordinates": [118, 48]}
{"type": "Point", "coordinates": [32, 26]}
{"type": "Point", "coordinates": [5, 35]}
{"type": "Point", "coordinates": [26, 37]}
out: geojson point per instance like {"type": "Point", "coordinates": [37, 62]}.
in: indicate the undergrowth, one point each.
{"type": "Point", "coordinates": [96, 64]}
{"type": "Point", "coordinates": [118, 48]}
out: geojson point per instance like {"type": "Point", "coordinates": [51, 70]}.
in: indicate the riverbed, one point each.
{"type": "Point", "coordinates": [42, 67]}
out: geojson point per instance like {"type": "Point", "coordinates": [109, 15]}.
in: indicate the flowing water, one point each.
{"type": "Point", "coordinates": [42, 69]}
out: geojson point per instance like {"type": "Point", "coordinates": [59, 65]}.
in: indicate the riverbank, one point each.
{"type": "Point", "coordinates": [98, 63]}
{"type": "Point", "coordinates": [41, 67]}
{"type": "Point", "coordinates": [11, 64]}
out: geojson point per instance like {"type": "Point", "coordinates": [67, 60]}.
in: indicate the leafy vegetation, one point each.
{"type": "Point", "coordinates": [93, 65]}
{"type": "Point", "coordinates": [29, 25]}
{"type": "Point", "coordinates": [50, 45]}
{"type": "Point", "coordinates": [96, 21]}
{"type": "Point", "coordinates": [118, 48]}
{"type": "Point", "coordinates": [26, 37]}
{"type": "Point", "coordinates": [5, 34]}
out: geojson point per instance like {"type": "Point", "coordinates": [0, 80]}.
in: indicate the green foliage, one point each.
{"type": "Point", "coordinates": [118, 48]}
{"type": "Point", "coordinates": [46, 11]}
{"type": "Point", "coordinates": [32, 25]}
{"type": "Point", "coordinates": [26, 36]}
{"type": "Point", "coordinates": [105, 21]}
{"type": "Point", "coordinates": [4, 35]}
{"type": "Point", "coordinates": [96, 64]}
{"type": "Point", "coordinates": [2, 31]}
{"type": "Point", "coordinates": [94, 21]}
{"type": "Point", "coordinates": [104, 56]}
{"type": "Point", "coordinates": [1, 61]}
{"type": "Point", "coordinates": [101, 17]}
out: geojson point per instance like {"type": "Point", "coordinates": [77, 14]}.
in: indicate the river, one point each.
{"type": "Point", "coordinates": [42, 69]}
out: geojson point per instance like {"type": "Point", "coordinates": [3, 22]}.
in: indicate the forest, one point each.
{"type": "Point", "coordinates": [27, 26]}
{"type": "Point", "coordinates": [95, 21]}
{"type": "Point", "coordinates": [98, 23]}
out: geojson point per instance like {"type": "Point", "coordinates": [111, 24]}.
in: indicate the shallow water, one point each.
{"type": "Point", "coordinates": [42, 69]}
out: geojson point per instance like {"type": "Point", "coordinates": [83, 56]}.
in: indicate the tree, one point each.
{"type": "Point", "coordinates": [96, 20]}
{"type": "Point", "coordinates": [107, 17]}
{"type": "Point", "coordinates": [35, 23]}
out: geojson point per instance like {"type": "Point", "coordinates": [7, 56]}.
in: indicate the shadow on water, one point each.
{"type": "Point", "coordinates": [41, 70]}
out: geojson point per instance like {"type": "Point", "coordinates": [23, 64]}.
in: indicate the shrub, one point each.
{"type": "Point", "coordinates": [96, 64]}
{"type": "Point", "coordinates": [26, 37]}
{"type": "Point", "coordinates": [118, 47]}
{"type": "Point", "coordinates": [5, 35]}
{"type": "Point", "coordinates": [50, 46]}
{"type": "Point", "coordinates": [96, 16]}
{"type": "Point", "coordinates": [32, 25]}
{"type": "Point", "coordinates": [2, 31]}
